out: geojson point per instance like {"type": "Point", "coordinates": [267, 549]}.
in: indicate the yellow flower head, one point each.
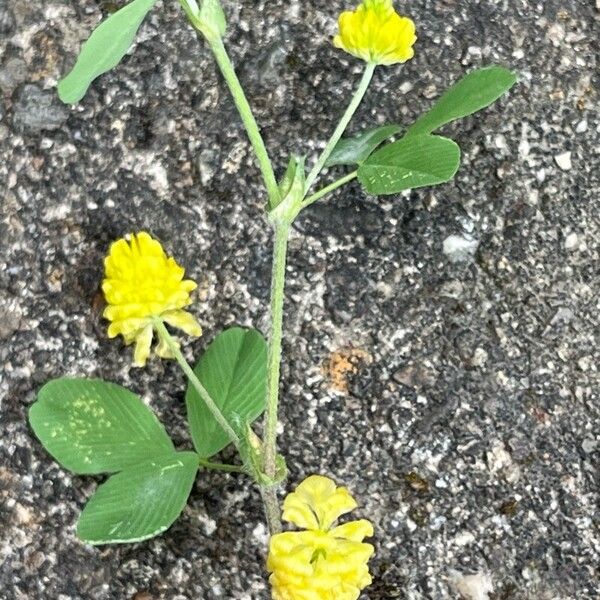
{"type": "Point", "coordinates": [141, 284]}
{"type": "Point", "coordinates": [376, 33]}
{"type": "Point", "coordinates": [324, 562]}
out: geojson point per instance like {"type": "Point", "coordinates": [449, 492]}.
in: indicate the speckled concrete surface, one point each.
{"type": "Point", "coordinates": [469, 431]}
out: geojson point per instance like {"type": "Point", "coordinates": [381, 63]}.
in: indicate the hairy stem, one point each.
{"type": "Point", "coordinates": [272, 510]}
{"type": "Point", "coordinates": [245, 111]}
{"type": "Point", "coordinates": [339, 131]}
{"type": "Point", "coordinates": [187, 369]}
{"type": "Point", "coordinates": [274, 363]}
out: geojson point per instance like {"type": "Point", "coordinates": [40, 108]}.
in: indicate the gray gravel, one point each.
{"type": "Point", "coordinates": [469, 430]}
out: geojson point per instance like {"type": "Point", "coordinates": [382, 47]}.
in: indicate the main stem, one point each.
{"type": "Point", "coordinates": [185, 366]}
{"type": "Point", "coordinates": [274, 362]}
{"type": "Point", "coordinates": [274, 369]}
{"type": "Point", "coordinates": [343, 124]}
{"type": "Point", "coordinates": [272, 510]}
{"type": "Point", "coordinates": [247, 116]}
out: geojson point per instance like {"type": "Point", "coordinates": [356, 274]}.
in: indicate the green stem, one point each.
{"type": "Point", "coordinates": [245, 111]}
{"type": "Point", "coordinates": [272, 510]}
{"type": "Point", "coordinates": [339, 131]}
{"type": "Point", "coordinates": [185, 366]}
{"type": "Point", "coordinates": [207, 464]}
{"type": "Point", "coordinates": [329, 188]}
{"type": "Point", "coordinates": [274, 360]}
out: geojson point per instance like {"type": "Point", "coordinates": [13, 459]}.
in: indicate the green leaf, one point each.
{"type": "Point", "coordinates": [140, 502]}
{"type": "Point", "coordinates": [234, 372]}
{"type": "Point", "coordinates": [92, 426]}
{"type": "Point", "coordinates": [355, 150]}
{"type": "Point", "coordinates": [410, 163]}
{"type": "Point", "coordinates": [104, 49]}
{"type": "Point", "coordinates": [472, 93]}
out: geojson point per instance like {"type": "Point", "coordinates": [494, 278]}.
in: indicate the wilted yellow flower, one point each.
{"type": "Point", "coordinates": [324, 562]}
{"type": "Point", "coordinates": [141, 283]}
{"type": "Point", "coordinates": [376, 33]}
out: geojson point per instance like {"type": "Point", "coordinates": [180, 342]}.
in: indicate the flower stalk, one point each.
{"type": "Point", "coordinates": [343, 124]}
{"type": "Point", "coordinates": [245, 111]}
{"type": "Point", "coordinates": [173, 346]}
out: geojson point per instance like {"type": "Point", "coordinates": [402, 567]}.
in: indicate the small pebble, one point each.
{"type": "Point", "coordinates": [564, 161]}
{"type": "Point", "coordinates": [460, 248]}
{"type": "Point", "coordinates": [572, 241]}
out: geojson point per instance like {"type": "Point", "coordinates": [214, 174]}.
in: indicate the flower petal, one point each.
{"type": "Point", "coordinates": [183, 320]}
{"type": "Point", "coordinates": [163, 350]}
{"type": "Point", "coordinates": [338, 504]}
{"type": "Point", "coordinates": [355, 531]}
{"type": "Point", "coordinates": [297, 511]}
{"type": "Point", "coordinates": [143, 341]}
{"type": "Point", "coordinates": [317, 503]}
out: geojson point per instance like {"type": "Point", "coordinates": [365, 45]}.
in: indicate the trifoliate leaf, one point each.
{"type": "Point", "coordinates": [412, 162]}
{"type": "Point", "coordinates": [93, 426]}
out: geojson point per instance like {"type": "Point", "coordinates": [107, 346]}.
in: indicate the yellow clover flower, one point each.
{"type": "Point", "coordinates": [141, 284]}
{"type": "Point", "coordinates": [376, 33]}
{"type": "Point", "coordinates": [325, 562]}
